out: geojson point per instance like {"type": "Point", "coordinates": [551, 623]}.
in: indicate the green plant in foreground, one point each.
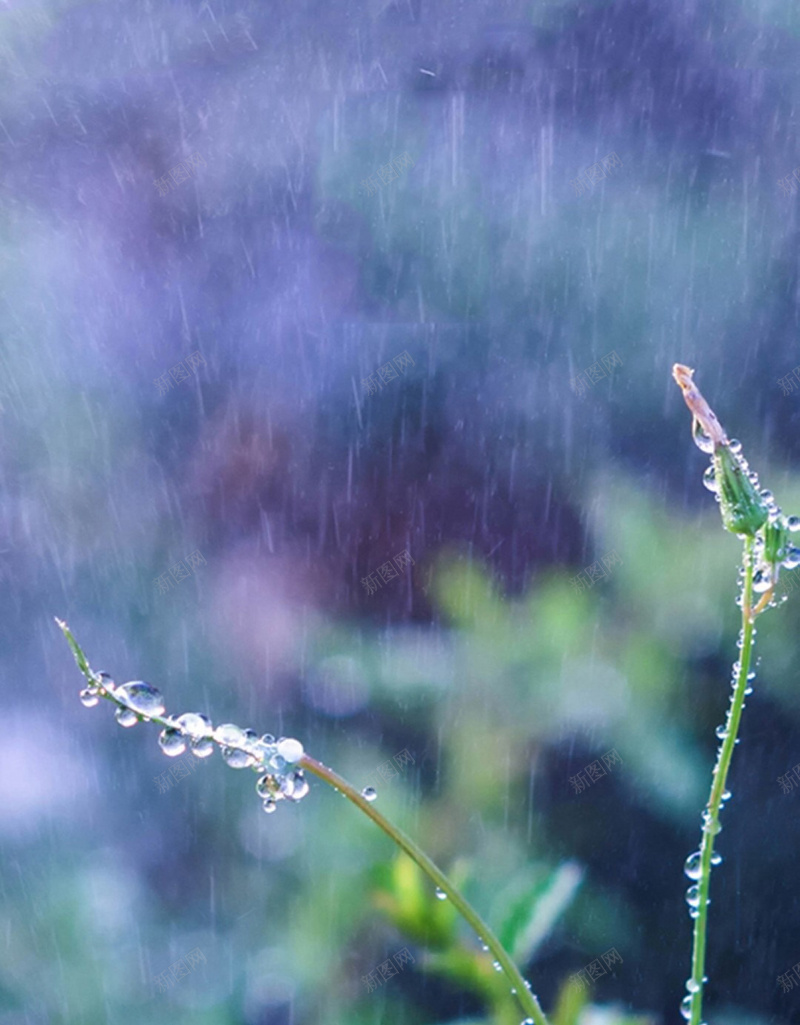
{"type": "Point", "coordinates": [282, 763]}
{"type": "Point", "coordinates": [753, 515]}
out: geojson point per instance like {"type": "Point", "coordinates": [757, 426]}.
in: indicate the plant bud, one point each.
{"type": "Point", "coordinates": [744, 511]}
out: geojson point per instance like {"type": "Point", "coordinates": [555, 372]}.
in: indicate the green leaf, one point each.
{"type": "Point", "coordinates": [536, 910]}
{"type": "Point", "coordinates": [571, 1002]}
{"type": "Point", "coordinates": [405, 896]}
{"type": "Point", "coordinates": [80, 658]}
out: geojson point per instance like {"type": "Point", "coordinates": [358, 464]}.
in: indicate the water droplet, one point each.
{"type": "Point", "coordinates": [686, 1008]}
{"type": "Point", "coordinates": [233, 738]}
{"type": "Point", "coordinates": [792, 558]}
{"type": "Point", "coordinates": [721, 731]}
{"type": "Point", "coordinates": [266, 786]}
{"type": "Point", "coordinates": [692, 986]}
{"type": "Point", "coordinates": [693, 896]}
{"type": "Point", "coordinates": [767, 495]}
{"type": "Point", "coordinates": [735, 446]}
{"type": "Point", "coordinates": [141, 697]}
{"type": "Point", "coordinates": [301, 787]}
{"type": "Point", "coordinates": [290, 749]}
{"type": "Point", "coordinates": [262, 751]}
{"type": "Point", "coordinates": [701, 439]}
{"type": "Point", "coordinates": [88, 698]}
{"type": "Point", "coordinates": [716, 859]}
{"type": "Point", "coordinates": [106, 682]}
{"type": "Point", "coordinates": [236, 759]}
{"type": "Point", "coordinates": [725, 796]}
{"type": "Point", "coordinates": [527, 1021]}
{"type": "Point", "coordinates": [440, 894]}
{"type": "Point", "coordinates": [229, 735]}
{"type": "Point", "coordinates": [762, 581]}
{"type": "Point", "coordinates": [125, 717]}
{"type": "Point", "coordinates": [710, 479]}
{"type": "Point", "coordinates": [195, 725]}
{"type": "Point", "coordinates": [497, 966]}
{"type": "Point", "coordinates": [793, 523]}
{"type": "Point", "coordinates": [172, 742]}
{"type": "Point", "coordinates": [710, 826]}
{"type": "Point", "coordinates": [369, 793]}
{"type": "Point", "coordinates": [270, 805]}
{"type": "Point", "coordinates": [202, 748]}
{"type": "Point", "coordinates": [692, 866]}
{"type": "Point", "coordinates": [287, 786]}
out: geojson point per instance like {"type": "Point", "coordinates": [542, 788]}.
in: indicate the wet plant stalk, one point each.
{"type": "Point", "coordinates": [718, 787]}
{"type": "Point", "coordinates": [527, 999]}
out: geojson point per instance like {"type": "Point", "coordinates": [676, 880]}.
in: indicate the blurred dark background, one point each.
{"type": "Point", "coordinates": [220, 224]}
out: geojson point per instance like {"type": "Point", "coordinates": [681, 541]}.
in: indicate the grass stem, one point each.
{"type": "Point", "coordinates": [719, 778]}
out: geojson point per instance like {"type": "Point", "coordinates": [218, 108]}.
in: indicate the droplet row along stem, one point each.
{"type": "Point", "coordinates": [693, 1004]}
{"type": "Point", "coordinates": [100, 685]}
{"type": "Point", "coordinates": [138, 701]}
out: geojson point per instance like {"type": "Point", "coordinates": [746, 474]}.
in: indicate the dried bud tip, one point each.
{"type": "Point", "coordinates": [705, 419]}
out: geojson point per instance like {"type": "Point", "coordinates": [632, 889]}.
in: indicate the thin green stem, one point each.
{"type": "Point", "coordinates": [711, 816]}
{"type": "Point", "coordinates": [527, 999]}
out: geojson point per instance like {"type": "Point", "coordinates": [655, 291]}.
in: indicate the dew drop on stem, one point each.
{"type": "Point", "coordinates": [141, 697]}
{"type": "Point", "coordinates": [692, 866]}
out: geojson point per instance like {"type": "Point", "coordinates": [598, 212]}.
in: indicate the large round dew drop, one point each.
{"type": "Point", "coordinates": [290, 750]}
{"type": "Point", "coordinates": [141, 697]}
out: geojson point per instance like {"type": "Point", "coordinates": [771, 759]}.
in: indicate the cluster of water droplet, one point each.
{"type": "Point", "coordinates": [766, 573]}
{"type": "Point", "coordinates": [272, 759]}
